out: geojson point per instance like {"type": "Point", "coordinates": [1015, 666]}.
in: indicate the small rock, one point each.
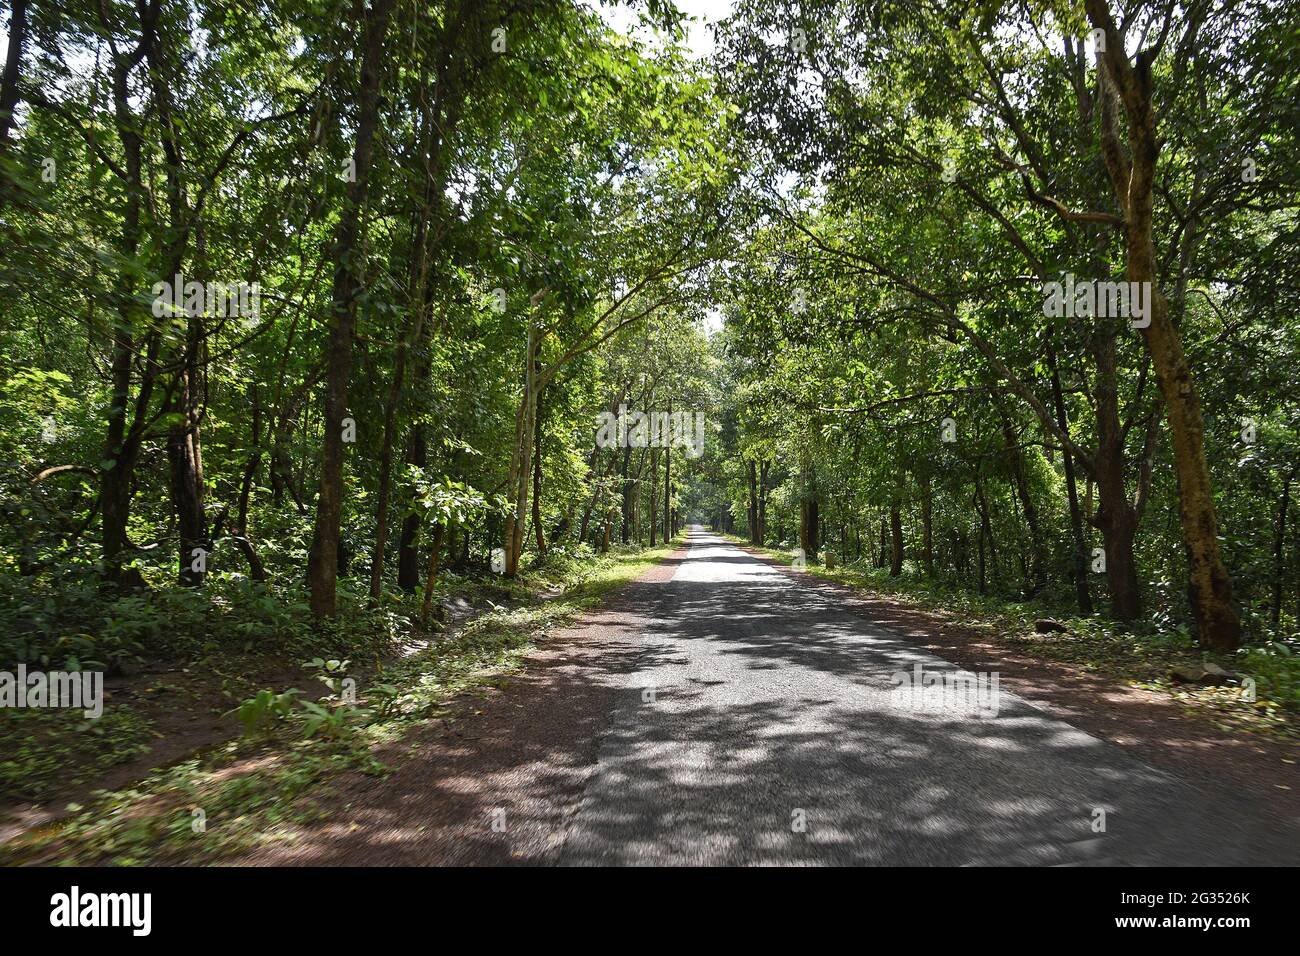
{"type": "Point", "coordinates": [1206, 674]}
{"type": "Point", "coordinates": [1045, 625]}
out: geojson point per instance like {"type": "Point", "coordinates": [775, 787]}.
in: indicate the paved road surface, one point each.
{"type": "Point", "coordinates": [724, 711]}
{"type": "Point", "coordinates": [760, 725]}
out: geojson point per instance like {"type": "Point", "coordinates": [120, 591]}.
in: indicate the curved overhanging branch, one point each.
{"type": "Point", "coordinates": [62, 469]}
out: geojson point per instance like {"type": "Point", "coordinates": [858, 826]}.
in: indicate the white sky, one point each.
{"type": "Point", "coordinates": [699, 38]}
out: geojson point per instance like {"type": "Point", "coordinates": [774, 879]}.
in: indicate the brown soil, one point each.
{"type": "Point", "coordinates": [517, 755]}
{"type": "Point", "coordinates": [184, 708]}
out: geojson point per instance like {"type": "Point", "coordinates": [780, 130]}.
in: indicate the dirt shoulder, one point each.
{"type": "Point", "coordinates": [160, 715]}
{"type": "Point", "coordinates": [498, 783]}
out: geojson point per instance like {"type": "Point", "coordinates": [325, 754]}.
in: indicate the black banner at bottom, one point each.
{"type": "Point", "coordinates": [338, 905]}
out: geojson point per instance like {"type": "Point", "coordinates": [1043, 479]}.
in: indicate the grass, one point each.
{"type": "Point", "coordinates": [235, 796]}
{"type": "Point", "coordinates": [1142, 656]}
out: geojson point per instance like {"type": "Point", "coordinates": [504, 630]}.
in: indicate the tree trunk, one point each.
{"type": "Point", "coordinates": [668, 493]}
{"type": "Point", "coordinates": [184, 446]}
{"type": "Point", "coordinates": [896, 539]}
{"type": "Point", "coordinates": [13, 64]}
{"type": "Point", "coordinates": [185, 461]}
{"type": "Point", "coordinates": [654, 495]}
{"type": "Point", "coordinates": [417, 286]}
{"type": "Point", "coordinates": [753, 503]}
{"type": "Point", "coordinates": [1117, 521]}
{"type": "Point", "coordinates": [1279, 540]}
{"type": "Point", "coordinates": [386, 473]}
{"type": "Point", "coordinates": [322, 561]}
{"type": "Point", "coordinates": [1209, 587]}
{"type": "Point", "coordinates": [1115, 517]}
{"type": "Point", "coordinates": [521, 459]}
{"type": "Point", "coordinates": [435, 552]}
{"type": "Point", "coordinates": [1037, 575]}
{"type": "Point", "coordinates": [122, 442]}
{"type": "Point", "coordinates": [539, 535]}
{"type": "Point", "coordinates": [808, 527]}
{"type": "Point", "coordinates": [625, 489]}
{"type": "Point", "coordinates": [1080, 563]}
{"type": "Point", "coordinates": [927, 525]}
{"type": "Point", "coordinates": [256, 569]}
{"type": "Point", "coordinates": [985, 535]}
{"type": "Point", "coordinates": [1218, 624]}
{"type": "Point", "coordinates": [408, 552]}
{"type": "Point", "coordinates": [460, 47]}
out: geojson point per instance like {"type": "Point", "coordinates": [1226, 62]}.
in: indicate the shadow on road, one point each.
{"type": "Point", "coordinates": [735, 715]}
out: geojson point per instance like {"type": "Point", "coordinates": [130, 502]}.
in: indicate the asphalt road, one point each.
{"type": "Point", "coordinates": [759, 723]}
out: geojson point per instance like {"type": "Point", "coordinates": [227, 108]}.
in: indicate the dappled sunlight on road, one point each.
{"type": "Point", "coordinates": [721, 710]}
{"type": "Point", "coordinates": [757, 705]}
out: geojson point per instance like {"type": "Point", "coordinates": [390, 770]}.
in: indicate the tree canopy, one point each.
{"type": "Point", "coordinates": [307, 301]}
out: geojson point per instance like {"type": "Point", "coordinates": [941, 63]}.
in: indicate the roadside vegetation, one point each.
{"type": "Point", "coordinates": [289, 743]}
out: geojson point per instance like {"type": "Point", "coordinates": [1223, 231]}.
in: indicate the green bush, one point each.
{"type": "Point", "coordinates": [75, 623]}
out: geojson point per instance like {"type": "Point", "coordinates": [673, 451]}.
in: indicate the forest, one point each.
{"type": "Point", "coordinates": [354, 332]}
